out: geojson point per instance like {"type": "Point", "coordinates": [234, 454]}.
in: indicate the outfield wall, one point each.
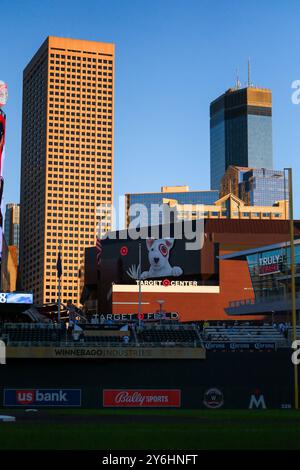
{"type": "Point", "coordinates": [223, 380]}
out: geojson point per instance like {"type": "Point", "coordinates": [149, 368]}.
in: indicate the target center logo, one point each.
{"type": "Point", "coordinates": [166, 282]}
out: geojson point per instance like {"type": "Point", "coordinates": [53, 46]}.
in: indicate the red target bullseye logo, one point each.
{"type": "Point", "coordinates": [124, 250]}
{"type": "Point", "coordinates": [166, 282]}
{"type": "Point", "coordinates": [163, 249]}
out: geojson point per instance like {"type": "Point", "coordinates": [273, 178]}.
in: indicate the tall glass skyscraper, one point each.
{"type": "Point", "coordinates": [240, 131]}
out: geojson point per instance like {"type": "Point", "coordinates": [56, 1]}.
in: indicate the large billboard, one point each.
{"type": "Point", "coordinates": [159, 259]}
{"type": "Point", "coordinates": [164, 257]}
{"type": "Point", "coordinates": [166, 262]}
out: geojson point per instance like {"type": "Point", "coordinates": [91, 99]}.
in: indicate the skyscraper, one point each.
{"type": "Point", "coordinates": [255, 186]}
{"type": "Point", "coordinates": [240, 131]}
{"type": "Point", "coordinates": [12, 224]}
{"type": "Point", "coordinates": [67, 160]}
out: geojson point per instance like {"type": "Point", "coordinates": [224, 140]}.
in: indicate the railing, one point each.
{"type": "Point", "coordinates": [31, 326]}
{"type": "Point", "coordinates": [105, 344]}
{"type": "Point", "coordinates": [261, 300]}
{"type": "Point", "coordinates": [167, 327]}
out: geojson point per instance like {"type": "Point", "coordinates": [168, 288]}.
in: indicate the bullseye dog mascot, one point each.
{"type": "Point", "coordinates": [158, 255]}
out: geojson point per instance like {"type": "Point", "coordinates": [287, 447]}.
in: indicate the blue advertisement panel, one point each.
{"type": "Point", "coordinates": [16, 298]}
{"type": "Point", "coordinates": [42, 397]}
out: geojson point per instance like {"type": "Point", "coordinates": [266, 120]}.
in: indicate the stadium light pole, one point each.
{"type": "Point", "coordinates": [59, 274]}
{"type": "Point", "coordinates": [140, 287]}
{"type": "Point", "coordinates": [293, 280]}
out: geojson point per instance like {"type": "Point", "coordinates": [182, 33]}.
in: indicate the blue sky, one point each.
{"type": "Point", "coordinates": [172, 58]}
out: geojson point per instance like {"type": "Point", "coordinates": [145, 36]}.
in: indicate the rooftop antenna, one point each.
{"type": "Point", "coordinates": [237, 83]}
{"type": "Point", "coordinates": [249, 73]}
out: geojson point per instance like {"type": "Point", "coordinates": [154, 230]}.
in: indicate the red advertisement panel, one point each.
{"type": "Point", "coordinates": [143, 398]}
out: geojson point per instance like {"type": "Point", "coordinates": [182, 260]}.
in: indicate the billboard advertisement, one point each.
{"type": "Point", "coordinates": [42, 397]}
{"type": "Point", "coordinates": [145, 398]}
{"type": "Point", "coordinates": [270, 264]}
{"type": "Point", "coordinates": [162, 259]}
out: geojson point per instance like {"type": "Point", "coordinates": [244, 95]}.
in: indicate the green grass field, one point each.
{"type": "Point", "coordinates": [194, 430]}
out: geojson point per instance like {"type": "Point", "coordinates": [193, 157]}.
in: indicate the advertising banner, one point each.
{"type": "Point", "coordinates": [42, 397]}
{"type": "Point", "coordinates": [99, 352]}
{"type": "Point", "coordinates": [162, 257]}
{"type": "Point", "coordinates": [142, 398]}
{"type": "Point", "coordinates": [270, 264]}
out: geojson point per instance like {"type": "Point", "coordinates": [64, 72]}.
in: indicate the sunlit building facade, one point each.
{"type": "Point", "coordinates": [67, 161]}
{"type": "Point", "coordinates": [255, 186]}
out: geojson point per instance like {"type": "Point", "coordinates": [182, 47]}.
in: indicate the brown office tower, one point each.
{"type": "Point", "coordinates": [67, 161]}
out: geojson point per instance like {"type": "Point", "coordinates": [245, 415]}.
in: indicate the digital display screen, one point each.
{"type": "Point", "coordinates": [16, 298]}
{"type": "Point", "coordinates": [163, 259]}
{"type": "Point", "coordinates": [159, 259]}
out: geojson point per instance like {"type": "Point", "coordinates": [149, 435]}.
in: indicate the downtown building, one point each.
{"type": "Point", "coordinates": [10, 248]}
{"type": "Point", "coordinates": [240, 131]}
{"type": "Point", "coordinates": [227, 207]}
{"type": "Point", "coordinates": [67, 161]}
{"type": "Point", "coordinates": [12, 225]}
{"type": "Point", "coordinates": [207, 284]}
{"type": "Point", "coordinates": [151, 206]}
{"type": "Point", "coordinates": [255, 186]}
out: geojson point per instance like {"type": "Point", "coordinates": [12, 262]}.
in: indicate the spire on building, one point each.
{"type": "Point", "coordinates": [249, 73]}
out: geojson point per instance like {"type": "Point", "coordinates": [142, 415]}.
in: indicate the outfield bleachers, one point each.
{"type": "Point", "coordinates": [31, 333]}
{"type": "Point", "coordinates": [154, 334]}
{"type": "Point", "coordinates": [244, 333]}
{"type": "Point", "coordinates": [167, 334]}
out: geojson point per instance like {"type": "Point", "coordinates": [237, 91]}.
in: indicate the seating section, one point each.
{"type": "Point", "coordinates": [47, 334]}
{"type": "Point", "coordinates": [168, 336]}
{"type": "Point", "coordinates": [31, 333]}
{"type": "Point", "coordinates": [298, 332]}
{"type": "Point", "coordinates": [244, 333]}
{"type": "Point", "coordinates": [38, 334]}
